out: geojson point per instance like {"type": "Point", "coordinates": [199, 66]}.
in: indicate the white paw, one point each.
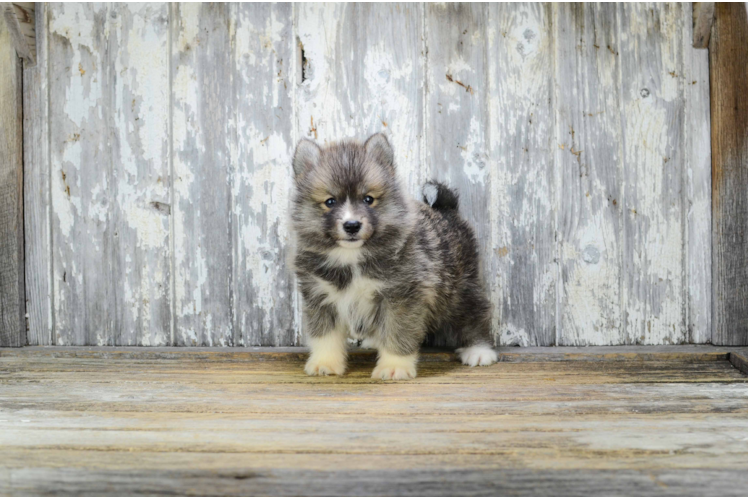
{"type": "Point", "coordinates": [328, 355]}
{"type": "Point", "coordinates": [393, 373]}
{"type": "Point", "coordinates": [317, 366]}
{"type": "Point", "coordinates": [394, 367]}
{"type": "Point", "coordinates": [477, 355]}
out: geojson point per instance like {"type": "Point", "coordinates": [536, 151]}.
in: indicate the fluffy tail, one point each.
{"type": "Point", "coordinates": [439, 196]}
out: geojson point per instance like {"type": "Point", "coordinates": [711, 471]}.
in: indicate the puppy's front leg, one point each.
{"type": "Point", "coordinates": [329, 353]}
{"type": "Point", "coordinates": [402, 332]}
{"type": "Point", "coordinates": [326, 337]}
{"type": "Point", "coordinates": [391, 366]}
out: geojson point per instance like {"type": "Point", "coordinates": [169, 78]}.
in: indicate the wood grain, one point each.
{"type": "Point", "coordinates": [264, 309]}
{"type": "Point", "coordinates": [464, 480]}
{"type": "Point", "coordinates": [19, 23]}
{"type": "Point", "coordinates": [140, 192]}
{"type": "Point", "coordinates": [698, 194]}
{"type": "Point", "coordinates": [36, 200]}
{"type": "Point", "coordinates": [12, 299]}
{"type": "Point", "coordinates": [254, 424]}
{"type": "Point", "coordinates": [728, 50]}
{"type": "Point", "coordinates": [25, 14]}
{"type": "Point", "coordinates": [651, 60]}
{"type": "Point", "coordinates": [522, 145]}
{"type": "Point", "coordinates": [589, 159]}
{"type": "Point", "coordinates": [202, 208]}
{"type": "Point", "coordinates": [80, 92]}
{"type": "Point", "coordinates": [703, 17]}
{"type": "Point", "coordinates": [740, 361]}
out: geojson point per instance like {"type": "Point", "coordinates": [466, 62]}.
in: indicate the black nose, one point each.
{"type": "Point", "coordinates": [352, 226]}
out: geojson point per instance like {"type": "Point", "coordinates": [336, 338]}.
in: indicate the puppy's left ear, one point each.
{"type": "Point", "coordinates": [305, 158]}
{"type": "Point", "coordinates": [378, 147]}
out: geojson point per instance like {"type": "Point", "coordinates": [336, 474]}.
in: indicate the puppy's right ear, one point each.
{"type": "Point", "coordinates": [305, 158]}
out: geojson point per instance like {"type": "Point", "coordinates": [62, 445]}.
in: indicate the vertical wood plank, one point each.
{"type": "Point", "coordinates": [141, 203]}
{"type": "Point", "coordinates": [265, 52]}
{"type": "Point", "coordinates": [728, 53]}
{"type": "Point", "coordinates": [12, 307]}
{"type": "Point", "coordinates": [36, 199]}
{"type": "Point", "coordinates": [589, 161]}
{"type": "Point", "coordinates": [26, 14]}
{"type": "Point", "coordinates": [79, 114]}
{"type": "Point", "coordinates": [698, 169]}
{"type": "Point", "coordinates": [457, 114]}
{"type": "Point", "coordinates": [654, 148]}
{"type": "Point", "coordinates": [700, 23]}
{"type": "Point", "coordinates": [522, 185]}
{"type": "Point", "coordinates": [363, 74]}
{"type": "Point", "coordinates": [17, 24]}
{"type": "Point", "coordinates": [202, 65]}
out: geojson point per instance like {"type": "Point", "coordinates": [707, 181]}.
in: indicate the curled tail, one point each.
{"type": "Point", "coordinates": [439, 197]}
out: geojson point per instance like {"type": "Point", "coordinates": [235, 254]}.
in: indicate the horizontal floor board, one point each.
{"type": "Point", "coordinates": [205, 422]}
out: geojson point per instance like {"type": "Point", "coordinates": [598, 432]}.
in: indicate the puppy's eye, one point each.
{"type": "Point", "coordinates": [330, 202]}
{"type": "Point", "coordinates": [368, 200]}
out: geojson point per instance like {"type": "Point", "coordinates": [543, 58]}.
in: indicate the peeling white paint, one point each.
{"type": "Point", "coordinates": [64, 204]}
{"type": "Point", "coordinates": [496, 132]}
{"type": "Point", "coordinates": [189, 27]}
{"type": "Point", "coordinates": [393, 109]}
{"type": "Point", "coordinates": [76, 23]}
{"type": "Point", "coordinates": [473, 154]}
{"type": "Point", "coordinates": [654, 298]}
{"type": "Point", "coordinates": [149, 225]}
{"type": "Point", "coordinates": [138, 35]}
{"type": "Point", "coordinates": [512, 335]}
{"type": "Point", "coordinates": [522, 179]}
{"type": "Point", "coordinates": [261, 174]}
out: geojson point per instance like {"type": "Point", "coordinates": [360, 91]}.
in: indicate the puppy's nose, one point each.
{"type": "Point", "coordinates": [351, 226]}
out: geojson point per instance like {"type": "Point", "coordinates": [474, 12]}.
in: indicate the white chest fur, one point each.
{"type": "Point", "coordinates": [356, 303]}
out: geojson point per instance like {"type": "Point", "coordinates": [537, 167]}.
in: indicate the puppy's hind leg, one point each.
{"type": "Point", "coordinates": [475, 336]}
{"type": "Point", "coordinates": [479, 354]}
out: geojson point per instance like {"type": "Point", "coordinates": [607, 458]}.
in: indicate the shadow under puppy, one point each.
{"type": "Point", "coordinates": [377, 266]}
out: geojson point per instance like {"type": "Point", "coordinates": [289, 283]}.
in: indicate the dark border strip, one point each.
{"type": "Point", "coordinates": [728, 85]}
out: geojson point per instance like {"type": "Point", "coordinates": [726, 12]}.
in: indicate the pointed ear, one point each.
{"type": "Point", "coordinates": [305, 158]}
{"type": "Point", "coordinates": [378, 147]}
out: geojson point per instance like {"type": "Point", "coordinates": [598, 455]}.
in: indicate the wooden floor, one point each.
{"type": "Point", "coordinates": [212, 422]}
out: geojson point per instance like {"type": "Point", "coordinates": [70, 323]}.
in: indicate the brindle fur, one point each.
{"type": "Point", "coordinates": [423, 258]}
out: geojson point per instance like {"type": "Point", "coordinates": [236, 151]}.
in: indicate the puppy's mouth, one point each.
{"type": "Point", "coordinates": [351, 243]}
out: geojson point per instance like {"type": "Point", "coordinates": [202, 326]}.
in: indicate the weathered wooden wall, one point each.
{"type": "Point", "coordinates": [12, 321]}
{"type": "Point", "coordinates": [577, 134]}
{"type": "Point", "coordinates": [728, 56]}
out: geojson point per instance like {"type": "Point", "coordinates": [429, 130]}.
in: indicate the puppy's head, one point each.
{"type": "Point", "coordinates": [347, 194]}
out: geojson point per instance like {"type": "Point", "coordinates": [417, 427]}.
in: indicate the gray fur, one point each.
{"type": "Point", "coordinates": [421, 261]}
{"type": "Point", "coordinates": [306, 156]}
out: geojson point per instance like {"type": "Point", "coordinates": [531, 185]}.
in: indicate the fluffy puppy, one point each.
{"type": "Point", "coordinates": [374, 265]}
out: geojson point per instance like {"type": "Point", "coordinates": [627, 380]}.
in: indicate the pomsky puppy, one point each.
{"type": "Point", "coordinates": [375, 265]}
